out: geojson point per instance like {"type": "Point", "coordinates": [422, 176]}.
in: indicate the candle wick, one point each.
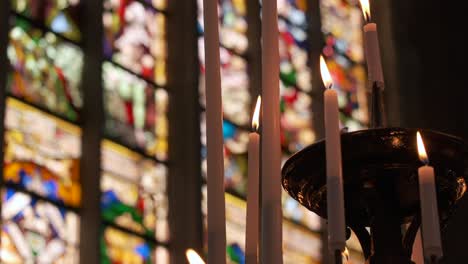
{"type": "Point", "coordinates": [330, 86]}
{"type": "Point", "coordinates": [426, 161]}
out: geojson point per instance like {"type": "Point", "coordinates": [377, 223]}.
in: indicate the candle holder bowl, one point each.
{"type": "Point", "coordinates": [380, 182]}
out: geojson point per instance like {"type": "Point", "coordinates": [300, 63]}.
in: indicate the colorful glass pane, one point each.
{"type": "Point", "coordinates": [233, 31]}
{"type": "Point", "coordinates": [134, 192]}
{"type": "Point", "coordinates": [46, 71]}
{"type": "Point", "coordinates": [234, 85]}
{"type": "Point", "coordinates": [235, 156]}
{"type": "Point", "coordinates": [233, 24]}
{"type": "Point", "coordinates": [135, 38]}
{"type": "Point", "coordinates": [159, 4]}
{"type": "Point", "coordinates": [120, 247]}
{"type": "Point", "coordinates": [61, 16]}
{"type": "Point", "coordinates": [34, 231]}
{"type": "Point", "coordinates": [297, 213]}
{"type": "Point", "coordinates": [135, 112]}
{"type": "Point", "coordinates": [235, 90]}
{"type": "Point", "coordinates": [299, 244]}
{"type": "Point", "coordinates": [296, 102]}
{"type": "Point", "coordinates": [342, 26]}
{"type": "Point", "coordinates": [42, 154]}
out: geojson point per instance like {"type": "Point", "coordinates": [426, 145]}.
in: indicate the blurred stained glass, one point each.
{"type": "Point", "coordinates": [297, 129]}
{"type": "Point", "coordinates": [135, 38]}
{"type": "Point", "coordinates": [236, 97]}
{"type": "Point", "coordinates": [46, 71]}
{"type": "Point", "coordinates": [42, 154]}
{"type": "Point", "coordinates": [297, 213]}
{"type": "Point", "coordinates": [120, 247]}
{"type": "Point", "coordinates": [296, 102]}
{"type": "Point", "coordinates": [60, 16]}
{"type": "Point", "coordinates": [134, 192]}
{"type": "Point", "coordinates": [34, 231]}
{"type": "Point", "coordinates": [135, 112]}
{"type": "Point", "coordinates": [342, 28]}
{"type": "Point", "coordinates": [159, 4]}
{"type": "Point", "coordinates": [299, 244]}
{"type": "Point", "coordinates": [235, 156]}
{"type": "Point", "coordinates": [234, 85]}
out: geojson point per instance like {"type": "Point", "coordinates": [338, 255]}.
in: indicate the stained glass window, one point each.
{"type": "Point", "coordinates": [134, 202]}
{"type": "Point", "coordinates": [41, 192]}
{"type": "Point", "coordinates": [135, 112]}
{"type": "Point", "coordinates": [299, 244]}
{"type": "Point", "coordinates": [342, 27]}
{"type": "Point", "coordinates": [135, 38]}
{"type": "Point", "coordinates": [235, 90]}
{"type": "Point", "coordinates": [297, 129]}
{"type": "Point", "coordinates": [295, 76]}
{"type": "Point", "coordinates": [134, 192]}
{"type": "Point", "coordinates": [46, 70]}
{"type": "Point", "coordinates": [34, 231]}
{"type": "Point", "coordinates": [62, 17]}
{"type": "Point", "coordinates": [121, 247]}
{"type": "Point", "coordinates": [42, 154]}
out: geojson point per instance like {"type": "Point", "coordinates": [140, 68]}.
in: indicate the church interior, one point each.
{"type": "Point", "coordinates": [103, 114]}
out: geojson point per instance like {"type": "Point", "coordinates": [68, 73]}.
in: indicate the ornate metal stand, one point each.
{"type": "Point", "coordinates": [381, 184]}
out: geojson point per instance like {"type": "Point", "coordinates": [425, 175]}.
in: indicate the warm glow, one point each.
{"type": "Point", "coordinates": [421, 149]}
{"type": "Point", "coordinates": [326, 77]}
{"type": "Point", "coordinates": [366, 9]}
{"type": "Point", "coordinates": [256, 115]}
{"type": "Point", "coordinates": [193, 257]}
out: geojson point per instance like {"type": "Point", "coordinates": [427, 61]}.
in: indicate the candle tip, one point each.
{"type": "Point", "coordinates": [256, 115]}
{"type": "Point", "coordinates": [365, 7]}
{"type": "Point", "coordinates": [326, 77]}
{"type": "Point", "coordinates": [193, 257]}
{"type": "Point", "coordinates": [421, 149]}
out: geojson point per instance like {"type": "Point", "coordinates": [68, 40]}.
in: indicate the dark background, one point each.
{"type": "Point", "coordinates": [423, 50]}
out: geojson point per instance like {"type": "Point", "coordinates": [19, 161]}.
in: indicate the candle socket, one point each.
{"type": "Point", "coordinates": [377, 106]}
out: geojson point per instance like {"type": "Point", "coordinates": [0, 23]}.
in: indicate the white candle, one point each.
{"type": "Point", "coordinates": [335, 199]}
{"type": "Point", "coordinates": [417, 255]}
{"type": "Point", "coordinates": [253, 188]}
{"type": "Point", "coordinates": [214, 134]}
{"type": "Point", "coordinates": [371, 46]}
{"type": "Point", "coordinates": [272, 218]}
{"type": "Point", "coordinates": [429, 212]}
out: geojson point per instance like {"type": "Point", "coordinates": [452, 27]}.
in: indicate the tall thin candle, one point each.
{"type": "Point", "coordinates": [214, 134]}
{"type": "Point", "coordinates": [429, 212]}
{"type": "Point", "coordinates": [272, 219]}
{"type": "Point", "coordinates": [253, 188]}
{"type": "Point", "coordinates": [371, 45]}
{"type": "Point", "coordinates": [335, 200]}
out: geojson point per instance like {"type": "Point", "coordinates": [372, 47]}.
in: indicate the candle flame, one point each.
{"type": "Point", "coordinates": [365, 6]}
{"type": "Point", "coordinates": [421, 149]}
{"type": "Point", "coordinates": [326, 77]}
{"type": "Point", "coordinates": [256, 115]}
{"type": "Point", "coordinates": [193, 257]}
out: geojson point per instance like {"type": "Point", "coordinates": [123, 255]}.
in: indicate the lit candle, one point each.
{"type": "Point", "coordinates": [214, 134]}
{"type": "Point", "coordinates": [429, 212]}
{"type": "Point", "coordinates": [371, 45]}
{"type": "Point", "coordinates": [335, 200]}
{"type": "Point", "coordinates": [193, 257]}
{"type": "Point", "coordinates": [272, 218]}
{"type": "Point", "coordinates": [253, 187]}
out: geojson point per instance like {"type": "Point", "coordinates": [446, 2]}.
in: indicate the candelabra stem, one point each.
{"type": "Point", "coordinates": [377, 106]}
{"type": "Point", "coordinates": [338, 257]}
{"type": "Point", "coordinates": [386, 226]}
